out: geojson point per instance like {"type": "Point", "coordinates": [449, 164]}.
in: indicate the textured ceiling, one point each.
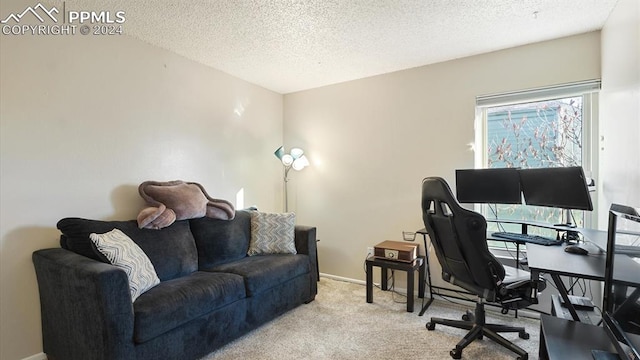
{"type": "Point", "coordinates": [292, 45]}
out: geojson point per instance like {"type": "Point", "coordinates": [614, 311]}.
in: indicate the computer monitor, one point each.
{"type": "Point", "coordinates": [489, 186]}
{"type": "Point", "coordinates": [558, 187]}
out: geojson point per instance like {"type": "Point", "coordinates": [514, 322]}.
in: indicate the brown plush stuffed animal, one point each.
{"type": "Point", "coordinates": [179, 200]}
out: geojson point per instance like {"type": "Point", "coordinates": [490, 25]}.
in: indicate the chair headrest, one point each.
{"type": "Point", "coordinates": [436, 189]}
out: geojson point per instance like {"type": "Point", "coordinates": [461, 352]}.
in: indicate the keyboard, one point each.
{"type": "Point", "coordinates": [527, 238]}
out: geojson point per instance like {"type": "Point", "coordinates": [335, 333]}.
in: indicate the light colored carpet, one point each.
{"type": "Point", "coordinates": [340, 324]}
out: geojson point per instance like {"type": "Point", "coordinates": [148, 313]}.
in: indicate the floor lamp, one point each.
{"type": "Point", "coordinates": [294, 160]}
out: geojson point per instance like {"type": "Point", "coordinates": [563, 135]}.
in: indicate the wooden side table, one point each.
{"type": "Point", "coordinates": [410, 267]}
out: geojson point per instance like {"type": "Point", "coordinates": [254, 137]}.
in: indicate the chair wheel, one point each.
{"type": "Point", "coordinates": [430, 325]}
{"type": "Point", "coordinates": [523, 335]}
{"type": "Point", "coordinates": [455, 353]}
{"type": "Point", "coordinates": [523, 357]}
{"type": "Point", "coordinates": [504, 311]}
{"type": "Point", "coordinates": [466, 317]}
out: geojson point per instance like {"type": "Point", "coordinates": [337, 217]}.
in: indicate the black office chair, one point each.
{"type": "Point", "coordinates": [459, 238]}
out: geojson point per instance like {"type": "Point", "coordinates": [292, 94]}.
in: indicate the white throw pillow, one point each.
{"type": "Point", "coordinates": [122, 252]}
{"type": "Point", "coordinates": [272, 233]}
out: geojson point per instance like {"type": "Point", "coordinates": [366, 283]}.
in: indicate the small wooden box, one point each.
{"type": "Point", "coordinates": [396, 250]}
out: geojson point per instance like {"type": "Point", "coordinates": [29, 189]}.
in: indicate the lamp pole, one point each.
{"type": "Point", "coordinates": [295, 160]}
{"type": "Point", "coordinates": [286, 188]}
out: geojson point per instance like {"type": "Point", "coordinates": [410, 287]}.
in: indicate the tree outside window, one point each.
{"type": "Point", "coordinates": [531, 135]}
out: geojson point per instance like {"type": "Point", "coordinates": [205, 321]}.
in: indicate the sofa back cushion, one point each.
{"type": "Point", "coordinates": [221, 241]}
{"type": "Point", "coordinates": [172, 250]}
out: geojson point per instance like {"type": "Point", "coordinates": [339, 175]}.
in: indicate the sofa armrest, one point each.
{"type": "Point", "coordinates": [305, 239]}
{"type": "Point", "coordinates": [306, 243]}
{"type": "Point", "coordinates": [85, 306]}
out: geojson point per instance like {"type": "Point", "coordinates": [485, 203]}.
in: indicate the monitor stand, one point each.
{"type": "Point", "coordinates": [571, 237]}
{"type": "Point", "coordinates": [567, 221]}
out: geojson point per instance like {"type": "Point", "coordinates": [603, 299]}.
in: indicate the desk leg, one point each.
{"type": "Point", "coordinates": [317, 263]}
{"type": "Point", "coordinates": [369, 282]}
{"type": "Point", "coordinates": [422, 287]}
{"type": "Point", "coordinates": [385, 275]}
{"type": "Point", "coordinates": [410, 280]}
{"type": "Point", "coordinates": [428, 276]}
{"type": "Point", "coordinates": [565, 296]}
{"type": "Point", "coordinates": [421, 280]}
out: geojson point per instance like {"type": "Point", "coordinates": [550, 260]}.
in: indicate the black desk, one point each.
{"type": "Point", "coordinates": [554, 261]}
{"type": "Point", "coordinates": [564, 339]}
{"type": "Point", "coordinates": [409, 267]}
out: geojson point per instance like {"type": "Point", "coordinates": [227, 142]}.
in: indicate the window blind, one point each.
{"type": "Point", "coordinates": [548, 92]}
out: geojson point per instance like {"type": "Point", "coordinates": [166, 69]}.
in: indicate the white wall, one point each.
{"type": "Point", "coordinates": [84, 120]}
{"type": "Point", "coordinates": [620, 109]}
{"type": "Point", "coordinates": [372, 141]}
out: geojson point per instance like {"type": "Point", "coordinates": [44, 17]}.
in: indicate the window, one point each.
{"type": "Point", "coordinates": [549, 127]}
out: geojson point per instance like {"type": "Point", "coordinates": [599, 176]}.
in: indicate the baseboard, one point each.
{"type": "Point", "coordinates": [340, 278]}
{"type": "Point", "coordinates": [396, 289]}
{"type": "Point", "coordinates": [41, 356]}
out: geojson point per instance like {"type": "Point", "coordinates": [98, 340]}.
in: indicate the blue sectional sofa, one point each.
{"type": "Point", "coordinates": [210, 291]}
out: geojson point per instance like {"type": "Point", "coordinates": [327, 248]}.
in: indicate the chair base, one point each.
{"type": "Point", "coordinates": [478, 328]}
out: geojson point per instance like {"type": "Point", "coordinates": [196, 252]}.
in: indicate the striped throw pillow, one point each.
{"type": "Point", "coordinates": [272, 233]}
{"type": "Point", "coordinates": [122, 252]}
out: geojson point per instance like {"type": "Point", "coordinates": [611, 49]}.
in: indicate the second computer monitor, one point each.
{"type": "Point", "coordinates": [558, 187]}
{"type": "Point", "coordinates": [492, 186]}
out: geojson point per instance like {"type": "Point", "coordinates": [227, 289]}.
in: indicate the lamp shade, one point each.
{"type": "Point", "coordinates": [300, 163]}
{"type": "Point", "coordinates": [295, 159]}
{"type": "Point", "coordinates": [287, 159]}
{"type": "Point", "coordinates": [296, 153]}
{"type": "Point", "coordinates": [279, 153]}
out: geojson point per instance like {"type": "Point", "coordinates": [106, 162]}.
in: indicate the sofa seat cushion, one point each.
{"type": "Point", "coordinates": [175, 302]}
{"type": "Point", "coordinates": [262, 272]}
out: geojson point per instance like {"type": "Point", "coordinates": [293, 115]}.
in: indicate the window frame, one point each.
{"type": "Point", "coordinates": [588, 90]}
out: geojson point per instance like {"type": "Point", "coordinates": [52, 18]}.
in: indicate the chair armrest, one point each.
{"type": "Point", "coordinates": [306, 243]}
{"type": "Point", "coordinates": [517, 284]}
{"type": "Point", "coordinates": [85, 306]}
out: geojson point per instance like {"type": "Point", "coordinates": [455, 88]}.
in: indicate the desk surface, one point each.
{"type": "Point", "coordinates": [553, 259]}
{"type": "Point", "coordinates": [565, 339]}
